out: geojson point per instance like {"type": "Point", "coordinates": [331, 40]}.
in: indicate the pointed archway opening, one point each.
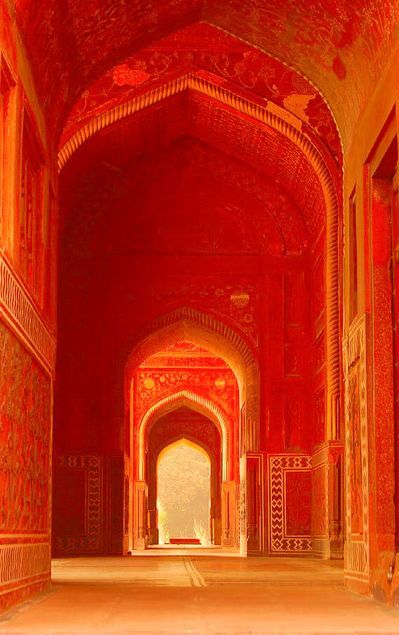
{"type": "Point", "coordinates": [190, 427]}
{"type": "Point", "coordinates": [183, 494]}
{"type": "Point", "coordinates": [185, 391]}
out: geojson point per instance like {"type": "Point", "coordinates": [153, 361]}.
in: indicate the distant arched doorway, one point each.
{"type": "Point", "coordinates": [220, 340]}
{"type": "Point", "coordinates": [183, 493]}
{"type": "Point", "coordinates": [229, 400]}
{"type": "Point", "coordinates": [184, 423]}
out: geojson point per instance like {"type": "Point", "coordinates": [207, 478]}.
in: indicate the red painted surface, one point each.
{"type": "Point", "coordinates": [25, 433]}
{"type": "Point", "coordinates": [298, 503]}
{"type": "Point", "coordinates": [190, 203]}
{"type": "Point", "coordinates": [78, 45]}
{"type": "Point", "coordinates": [135, 247]}
{"type": "Point", "coordinates": [209, 52]}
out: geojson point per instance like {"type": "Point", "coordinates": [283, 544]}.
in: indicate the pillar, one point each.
{"type": "Point", "coordinates": [140, 515]}
{"type": "Point", "coordinates": [152, 523]}
{"type": "Point", "coordinates": [252, 505]}
{"type": "Point", "coordinates": [229, 506]}
{"type": "Point", "coordinates": [216, 521]}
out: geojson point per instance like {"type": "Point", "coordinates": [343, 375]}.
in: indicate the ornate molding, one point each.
{"type": "Point", "coordinates": [204, 322]}
{"type": "Point", "coordinates": [23, 561]}
{"type": "Point", "coordinates": [18, 309]}
{"type": "Point", "coordinates": [186, 397]}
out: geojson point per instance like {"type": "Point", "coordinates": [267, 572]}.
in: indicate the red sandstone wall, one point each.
{"type": "Point", "coordinates": [27, 316]}
{"type": "Point", "coordinates": [134, 252]}
{"type": "Point", "coordinates": [25, 478]}
{"type": "Point", "coordinates": [370, 354]}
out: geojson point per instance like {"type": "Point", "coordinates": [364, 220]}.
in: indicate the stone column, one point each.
{"type": "Point", "coordinates": [252, 504]}
{"type": "Point", "coordinates": [229, 506]}
{"type": "Point", "coordinates": [216, 521]}
{"type": "Point", "coordinates": [153, 531]}
{"type": "Point", "coordinates": [140, 538]}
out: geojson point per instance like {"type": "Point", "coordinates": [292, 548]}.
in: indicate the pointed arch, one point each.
{"type": "Point", "coordinates": [214, 335]}
{"type": "Point", "coordinates": [194, 402]}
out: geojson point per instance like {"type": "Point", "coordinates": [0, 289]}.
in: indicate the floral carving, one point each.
{"type": "Point", "coordinates": [25, 420]}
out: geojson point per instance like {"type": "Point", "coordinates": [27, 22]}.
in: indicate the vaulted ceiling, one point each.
{"type": "Point", "coordinates": [169, 157]}
{"type": "Point", "coordinates": [339, 46]}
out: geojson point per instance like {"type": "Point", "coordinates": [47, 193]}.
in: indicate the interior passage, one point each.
{"type": "Point", "coordinates": [194, 592]}
{"type": "Point", "coordinates": [183, 502]}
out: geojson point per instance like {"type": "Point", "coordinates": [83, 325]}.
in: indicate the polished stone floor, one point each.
{"type": "Point", "coordinates": [195, 592]}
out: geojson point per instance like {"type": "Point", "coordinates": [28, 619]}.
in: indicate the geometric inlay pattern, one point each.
{"type": "Point", "coordinates": [90, 541]}
{"type": "Point", "coordinates": [279, 466]}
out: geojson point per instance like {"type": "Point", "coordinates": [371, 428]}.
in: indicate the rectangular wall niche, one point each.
{"type": "Point", "coordinates": [289, 503]}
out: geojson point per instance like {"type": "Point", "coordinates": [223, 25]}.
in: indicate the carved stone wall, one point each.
{"type": "Point", "coordinates": [78, 511]}
{"type": "Point", "coordinates": [25, 435]}
{"type": "Point", "coordinates": [17, 307]}
{"type": "Point", "coordinates": [356, 442]}
{"type": "Point", "coordinates": [289, 489]}
{"type": "Point", "coordinates": [89, 504]}
{"type": "Point", "coordinates": [327, 500]}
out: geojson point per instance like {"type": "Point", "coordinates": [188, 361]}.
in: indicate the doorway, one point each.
{"type": "Point", "coordinates": [183, 494]}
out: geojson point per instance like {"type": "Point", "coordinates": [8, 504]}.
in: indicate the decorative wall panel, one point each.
{"type": "Point", "coordinates": [25, 425]}
{"type": "Point", "coordinates": [218, 386]}
{"type": "Point", "coordinates": [23, 561]}
{"type": "Point", "coordinates": [25, 410]}
{"type": "Point", "coordinates": [24, 570]}
{"type": "Point", "coordinates": [356, 482]}
{"type": "Point", "coordinates": [320, 495]}
{"type": "Point", "coordinates": [78, 528]}
{"type": "Point", "coordinates": [289, 503]}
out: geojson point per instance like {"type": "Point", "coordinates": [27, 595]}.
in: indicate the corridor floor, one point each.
{"type": "Point", "coordinates": [190, 593]}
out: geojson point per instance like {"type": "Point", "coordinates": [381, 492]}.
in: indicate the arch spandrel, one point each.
{"type": "Point", "coordinates": [187, 323]}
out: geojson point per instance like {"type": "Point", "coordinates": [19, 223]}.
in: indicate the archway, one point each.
{"type": "Point", "coordinates": [264, 297]}
{"type": "Point", "coordinates": [186, 323]}
{"type": "Point", "coordinates": [213, 101]}
{"type": "Point", "coordinates": [209, 390]}
{"type": "Point", "coordinates": [185, 423]}
{"type": "Point", "coordinates": [183, 493]}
